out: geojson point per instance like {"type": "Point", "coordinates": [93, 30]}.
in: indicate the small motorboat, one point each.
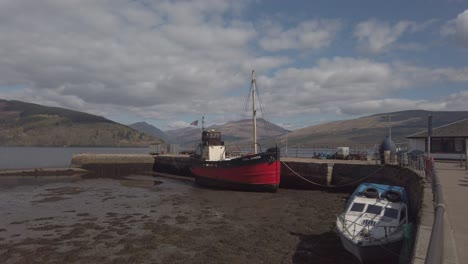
{"type": "Point", "coordinates": [372, 224]}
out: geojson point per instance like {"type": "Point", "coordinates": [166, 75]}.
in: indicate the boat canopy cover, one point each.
{"type": "Point", "coordinates": [382, 188]}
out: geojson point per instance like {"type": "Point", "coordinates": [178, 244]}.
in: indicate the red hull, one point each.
{"type": "Point", "coordinates": [261, 170]}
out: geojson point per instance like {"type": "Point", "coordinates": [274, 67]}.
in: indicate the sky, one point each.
{"type": "Point", "coordinates": [169, 63]}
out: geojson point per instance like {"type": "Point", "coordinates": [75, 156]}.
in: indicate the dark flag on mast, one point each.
{"type": "Point", "coordinates": [194, 123]}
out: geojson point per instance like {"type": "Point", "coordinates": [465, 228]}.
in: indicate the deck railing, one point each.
{"type": "Point", "coordinates": [355, 229]}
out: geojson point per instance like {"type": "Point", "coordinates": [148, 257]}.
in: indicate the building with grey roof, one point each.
{"type": "Point", "coordinates": [447, 142]}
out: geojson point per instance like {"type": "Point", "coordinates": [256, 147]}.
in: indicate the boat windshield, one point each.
{"type": "Point", "coordinates": [374, 209]}
{"type": "Point", "coordinates": [391, 213]}
{"type": "Point", "coordinates": [357, 207]}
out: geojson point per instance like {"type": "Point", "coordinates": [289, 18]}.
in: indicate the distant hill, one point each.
{"type": "Point", "coordinates": [150, 130]}
{"type": "Point", "coordinates": [372, 129]}
{"type": "Point", "coordinates": [239, 132]}
{"type": "Point", "coordinates": [27, 124]}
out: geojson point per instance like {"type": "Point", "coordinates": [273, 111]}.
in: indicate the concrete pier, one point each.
{"type": "Point", "coordinates": [113, 164]}
{"type": "Point", "coordinates": [454, 181]}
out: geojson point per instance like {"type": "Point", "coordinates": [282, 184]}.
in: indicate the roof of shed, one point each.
{"type": "Point", "coordinates": [455, 129]}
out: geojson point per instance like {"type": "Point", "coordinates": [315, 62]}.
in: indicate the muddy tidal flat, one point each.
{"type": "Point", "coordinates": [145, 219]}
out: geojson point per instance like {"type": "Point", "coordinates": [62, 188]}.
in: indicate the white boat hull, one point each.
{"type": "Point", "coordinates": [371, 253]}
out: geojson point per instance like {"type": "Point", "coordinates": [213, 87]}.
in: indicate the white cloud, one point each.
{"type": "Point", "coordinates": [453, 102]}
{"type": "Point", "coordinates": [416, 75]}
{"type": "Point", "coordinates": [329, 82]}
{"type": "Point", "coordinates": [177, 125]}
{"type": "Point", "coordinates": [261, 64]}
{"type": "Point", "coordinates": [164, 60]}
{"type": "Point", "coordinates": [350, 86]}
{"type": "Point", "coordinates": [377, 36]}
{"type": "Point", "coordinates": [390, 105]}
{"type": "Point", "coordinates": [312, 34]}
{"type": "Point", "coordinates": [458, 28]}
{"type": "Point", "coordinates": [125, 53]}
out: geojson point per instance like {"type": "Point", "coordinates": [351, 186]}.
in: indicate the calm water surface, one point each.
{"type": "Point", "coordinates": [45, 157]}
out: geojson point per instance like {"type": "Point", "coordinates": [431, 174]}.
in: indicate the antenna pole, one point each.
{"type": "Point", "coordinates": [254, 112]}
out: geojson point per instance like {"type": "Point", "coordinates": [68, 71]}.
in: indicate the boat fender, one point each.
{"type": "Point", "coordinates": [392, 196]}
{"type": "Point", "coordinates": [371, 192]}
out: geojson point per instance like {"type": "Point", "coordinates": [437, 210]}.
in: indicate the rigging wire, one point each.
{"type": "Point", "coordinates": [245, 130]}
{"type": "Point", "coordinates": [246, 103]}
{"type": "Point", "coordinates": [244, 133]}
{"type": "Point", "coordinates": [265, 115]}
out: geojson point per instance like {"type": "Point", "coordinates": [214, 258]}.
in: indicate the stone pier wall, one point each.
{"type": "Point", "coordinates": [113, 164]}
{"type": "Point", "coordinates": [178, 165]}
{"type": "Point", "coordinates": [311, 172]}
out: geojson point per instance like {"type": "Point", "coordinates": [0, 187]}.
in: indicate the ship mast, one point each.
{"type": "Point", "coordinates": [254, 111]}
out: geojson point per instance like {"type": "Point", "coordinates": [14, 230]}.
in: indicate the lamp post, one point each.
{"type": "Point", "coordinates": [429, 134]}
{"type": "Point", "coordinates": [286, 145]}
{"type": "Point", "coordinates": [389, 121]}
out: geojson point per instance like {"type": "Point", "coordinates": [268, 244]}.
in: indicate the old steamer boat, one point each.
{"type": "Point", "coordinates": [255, 172]}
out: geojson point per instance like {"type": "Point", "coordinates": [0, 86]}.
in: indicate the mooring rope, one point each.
{"type": "Point", "coordinates": [332, 186]}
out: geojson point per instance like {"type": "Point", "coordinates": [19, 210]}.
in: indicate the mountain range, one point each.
{"type": "Point", "coordinates": [370, 130]}
{"type": "Point", "coordinates": [240, 132]}
{"type": "Point", "coordinates": [151, 130]}
{"type": "Point", "coordinates": [27, 124]}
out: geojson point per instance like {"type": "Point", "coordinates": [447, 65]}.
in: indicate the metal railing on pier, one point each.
{"type": "Point", "coordinates": [425, 166]}
{"type": "Point", "coordinates": [436, 243]}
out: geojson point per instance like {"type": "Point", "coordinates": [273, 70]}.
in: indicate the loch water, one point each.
{"type": "Point", "coordinates": [52, 157]}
